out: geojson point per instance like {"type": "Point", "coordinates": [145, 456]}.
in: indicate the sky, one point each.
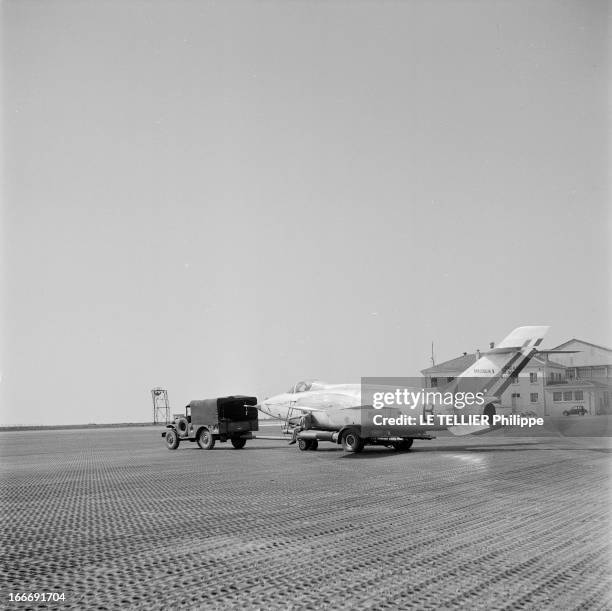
{"type": "Point", "coordinates": [227, 197]}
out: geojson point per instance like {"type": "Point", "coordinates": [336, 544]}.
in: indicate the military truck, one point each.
{"type": "Point", "coordinates": [207, 421]}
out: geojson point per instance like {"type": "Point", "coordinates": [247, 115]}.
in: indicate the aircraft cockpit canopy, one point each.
{"type": "Point", "coordinates": [301, 387]}
{"type": "Point", "coordinates": [305, 386]}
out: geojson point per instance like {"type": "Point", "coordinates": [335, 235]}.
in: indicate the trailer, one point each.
{"type": "Point", "coordinates": [207, 421]}
{"type": "Point", "coordinates": [353, 440]}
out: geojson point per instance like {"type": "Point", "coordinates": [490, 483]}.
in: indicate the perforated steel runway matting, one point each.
{"type": "Point", "coordinates": [115, 520]}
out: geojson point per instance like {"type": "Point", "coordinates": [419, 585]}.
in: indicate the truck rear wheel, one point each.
{"type": "Point", "coordinates": [314, 444]}
{"type": "Point", "coordinates": [172, 440]}
{"type": "Point", "coordinates": [206, 440]}
{"type": "Point", "coordinates": [351, 442]}
{"type": "Point", "coordinates": [238, 442]}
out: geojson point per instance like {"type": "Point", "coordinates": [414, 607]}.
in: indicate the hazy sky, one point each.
{"type": "Point", "coordinates": [227, 197]}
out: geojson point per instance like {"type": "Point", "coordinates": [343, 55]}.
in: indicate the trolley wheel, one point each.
{"type": "Point", "coordinates": [172, 440]}
{"type": "Point", "coordinates": [304, 444]}
{"type": "Point", "coordinates": [351, 442]}
{"type": "Point", "coordinates": [403, 446]}
{"type": "Point", "coordinates": [238, 442]}
{"type": "Point", "coordinates": [206, 440]}
{"type": "Point", "coordinates": [314, 444]}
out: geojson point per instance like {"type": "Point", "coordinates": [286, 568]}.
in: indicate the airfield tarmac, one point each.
{"type": "Point", "coordinates": [114, 520]}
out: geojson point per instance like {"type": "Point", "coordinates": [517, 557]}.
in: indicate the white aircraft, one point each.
{"type": "Point", "coordinates": [336, 411]}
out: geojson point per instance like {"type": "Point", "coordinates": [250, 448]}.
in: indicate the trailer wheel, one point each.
{"type": "Point", "coordinates": [172, 440]}
{"type": "Point", "coordinates": [304, 444]}
{"type": "Point", "coordinates": [351, 442]}
{"type": "Point", "coordinates": [403, 446]}
{"type": "Point", "coordinates": [206, 440]}
{"type": "Point", "coordinates": [238, 442]}
{"type": "Point", "coordinates": [314, 444]}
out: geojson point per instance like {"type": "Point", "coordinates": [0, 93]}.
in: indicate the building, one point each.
{"type": "Point", "coordinates": [588, 379]}
{"type": "Point", "coordinates": [590, 361]}
{"type": "Point", "coordinates": [546, 387]}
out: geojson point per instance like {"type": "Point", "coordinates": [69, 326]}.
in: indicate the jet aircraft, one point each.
{"type": "Point", "coordinates": [339, 407]}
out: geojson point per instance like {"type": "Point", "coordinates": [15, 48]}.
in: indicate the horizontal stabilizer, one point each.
{"type": "Point", "coordinates": [558, 351]}
{"type": "Point", "coordinates": [518, 348]}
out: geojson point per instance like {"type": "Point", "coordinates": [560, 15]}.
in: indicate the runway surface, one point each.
{"type": "Point", "coordinates": [114, 520]}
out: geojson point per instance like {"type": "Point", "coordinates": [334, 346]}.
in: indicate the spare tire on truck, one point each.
{"type": "Point", "coordinates": [182, 426]}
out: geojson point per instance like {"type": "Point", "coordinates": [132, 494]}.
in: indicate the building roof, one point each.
{"type": "Point", "coordinates": [580, 341]}
{"type": "Point", "coordinates": [461, 363]}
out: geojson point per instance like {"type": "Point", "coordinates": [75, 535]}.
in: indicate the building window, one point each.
{"type": "Point", "coordinates": [578, 395]}
{"type": "Point", "coordinates": [533, 376]}
{"type": "Point", "coordinates": [516, 395]}
{"type": "Point", "coordinates": [567, 395]}
{"type": "Point", "coordinates": [557, 396]}
{"type": "Point", "coordinates": [434, 382]}
{"type": "Point", "coordinates": [534, 397]}
{"type": "Point", "coordinates": [450, 379]}
{"type": "Point", "coordinates": [514, 379]}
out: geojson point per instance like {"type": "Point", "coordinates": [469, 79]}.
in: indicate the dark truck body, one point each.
{"type": "Point", "coordinates": [209, 420]}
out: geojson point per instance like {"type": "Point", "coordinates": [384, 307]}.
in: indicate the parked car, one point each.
{"type": "Point", "coordinates": [577, 410]}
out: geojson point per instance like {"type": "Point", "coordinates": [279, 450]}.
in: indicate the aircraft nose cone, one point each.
{"type": "Point", "coordinates": [269, 402]}
{"type": "Point", "coordinates": [275, 400]}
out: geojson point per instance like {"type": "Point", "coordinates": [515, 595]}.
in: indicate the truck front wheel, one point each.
{"type": "Point", "coordinates": [172, 440]}
{"type": "Point", "coordinates": [206, 440]}
{"type": "Point", "coordinates": [238, 442]}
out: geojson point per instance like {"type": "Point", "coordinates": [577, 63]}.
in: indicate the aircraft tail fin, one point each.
{"type": "Point", "coordinates": [495, 369]}
{"type": "Point", "coordinates": [510, 356]}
